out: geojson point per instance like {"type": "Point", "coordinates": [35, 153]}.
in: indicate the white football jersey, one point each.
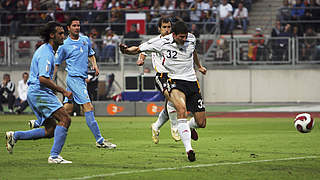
{"type": "Point", "coordinates": [178, 59]}
{"type": "Point", "coordinates": [157, 59]}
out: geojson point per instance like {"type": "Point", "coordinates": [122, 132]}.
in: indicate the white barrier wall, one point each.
{"type": "Point", "coordinates": [246, 85]}
{"type": "Point", "coordinates": [294, 85]}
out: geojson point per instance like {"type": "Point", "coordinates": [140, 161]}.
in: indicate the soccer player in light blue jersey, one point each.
{"type": "Point", "coordinates": [76, 51]}
{"type": "Point", "coordinates": [41, 98]}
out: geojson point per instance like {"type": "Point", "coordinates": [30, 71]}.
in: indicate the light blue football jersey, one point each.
{"type": "Point", "coordinates": [42, 99]}
{"type": "Point", "coordinates": [75, 53]}
{"type": "Point", "coordinates": [42, 65]}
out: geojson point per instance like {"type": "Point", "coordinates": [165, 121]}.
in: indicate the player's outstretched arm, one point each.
{"type": "Point", "coordinates": [196, 61]}
{"type": "Point", "coordinates": [50, 84]}
{"type": "Point", "coordinates": [133, 50]}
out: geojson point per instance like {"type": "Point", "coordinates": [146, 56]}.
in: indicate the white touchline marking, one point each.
{"type": "Point", "coordinates": [194, 166]}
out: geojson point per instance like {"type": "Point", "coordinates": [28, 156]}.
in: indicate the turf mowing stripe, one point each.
{"type": "Point", "coordinates": [195, 166]}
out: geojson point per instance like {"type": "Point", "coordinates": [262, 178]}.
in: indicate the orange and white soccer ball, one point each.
{"type": "Point", "coordinates": [304, 122]}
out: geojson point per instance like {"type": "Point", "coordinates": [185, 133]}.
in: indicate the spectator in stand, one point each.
{"type": "Point", "coordinates": [309, 45]}
{"type": "Point", "coordinates": [197, 13]}
{"type": "Point", "coordinates": [276, 30]}
{"type": "Point", "coordinates": [298, 10]}
{"type": "Point", "coordinates": [33, 17]}
{"type": "Point", "coordinates": [74, 5]}
{"type": "Point", "coordinates": [114, 4]}
{"type": "Point", "coordinates": [47, 16]}
{"type": "Point", "coordinates": [125, 5]}
{"type": "Point", "coordinates": [225, 13]}
{"type": "Point", "coordinates": [234, 4]}
{"type": "Point", "coordinates": [296, 32]}
{"type": "Point", "coordinates": [155, 16]}
{"type": "Point", "coordinates": [182, 12]}
{"type": "Point", "coordinates": [21, 101]}
{"type": "Point", "coordinates": [30, 4]}
{"type": "Point", "coordinates": [241, 17]}
{"type": "Point", "coordinates": [155, 9]}
{"type": "Point", "coordinates": [7, 89]}
{"type": "Point", "coordinates": [210, 19]}
{"type": "Point", "coordinates": [59, 15]}
{"type": "Point", "coordinates": [14, 17]}
{"type": "Point", "coordinates": [96, 45]}
{"type": "Point", "coordinates": [132, 34]}
{"type": "Point", "coordinates": [284, 12]}
{"type": "Point", "coordinates": [110, 42]}
{"type": "Point", "coordinates": [256, 45]}
{"type": "Point", "coordinates": [284, 42]}
{"type": "Point", "coordinates": [116, 21]}
{"type": "Point", "coordinates": [63, 4]}
{"type": "Point", "coordinates": [312, 14]}
{"type": "Point", "coordinates": [167, 9]}
{"type": "Point", "coordinates": [98, 4]}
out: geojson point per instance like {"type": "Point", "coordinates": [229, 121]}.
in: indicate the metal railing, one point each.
{"type": "Point", "coordinates": [226, 51]}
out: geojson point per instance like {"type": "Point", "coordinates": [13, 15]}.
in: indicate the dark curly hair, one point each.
{"type": "Point", "coordinates": [47, 29]}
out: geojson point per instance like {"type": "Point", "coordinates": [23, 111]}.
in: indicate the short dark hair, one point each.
{"type": "Point", "coordinates": [25, 73]}
{"type": "Point", "coordinates": [72, 18]}
{"type": "Point", "coordinates": [163, 20]}
{"type": "Point", "coordinates": [6, 75]}
{"type": "Point", "coordinates": [180, 27]}
{"type": "Point", "coordinates": [47, 29]}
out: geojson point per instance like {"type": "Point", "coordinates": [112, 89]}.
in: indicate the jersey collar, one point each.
{"type": "Point", "coordinates": [74, 39]}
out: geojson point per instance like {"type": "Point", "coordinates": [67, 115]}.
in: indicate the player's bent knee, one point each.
{"type": "Point", "coordinates": [49, 132]}
{"type": "Point", "coordinates": [202, 124]}
{"type": "Point", "coordinates": [66, 121]}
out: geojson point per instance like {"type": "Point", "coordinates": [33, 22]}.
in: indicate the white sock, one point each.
{"type": "Point", "coordinates": [172, 112]}
{"type": "Point", "coordinates": [192, 123]}
{"type": "Point", "coordinates": [162, 118]}
{"type": "Point", "coordinates": [185, 134]}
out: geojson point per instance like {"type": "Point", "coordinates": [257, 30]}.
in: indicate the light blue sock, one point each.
{"type": "Point", "coordinates": [93, 125]}
{"type": "Point", "coordinates": [60, 134]}
{"type": "Point", "coordinates": [28, 135]}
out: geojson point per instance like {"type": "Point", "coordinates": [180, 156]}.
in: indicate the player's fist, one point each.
{"type": "Point", "coordinates": [123, 48]}
{"type": "Point", "coordinates": [67, 94]}
{"type": "Point", "coordinates": [203, 70]}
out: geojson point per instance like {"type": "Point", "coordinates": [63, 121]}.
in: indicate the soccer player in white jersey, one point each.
{"type": "Point", "coordinates": [178, 49]}
{"type": "Point", "coordinates": [164, 27]}
{"type": "Point", "coordinates": [76, 51]}
{"type": "Point", "coordinates": [41, 98]}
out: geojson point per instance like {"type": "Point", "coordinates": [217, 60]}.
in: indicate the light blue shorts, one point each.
{"type": "Point", "coordinates": [78, 86]}
{"type": "Point", "coordinates": [43, 103]}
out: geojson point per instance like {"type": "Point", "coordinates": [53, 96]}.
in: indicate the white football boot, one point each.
{"type": "Point", "coordinates": [10, 141]}
{"type": "Point", "coordinates": [175, 134]}
{"type": "Point", "coordinates": [58, 160]}
{"type": "Point", "coordinates": [106, 144]}
{"type": "Point", "coordinates": [32, 124]}
{"type": "Point", "coordinates": [155, 134]}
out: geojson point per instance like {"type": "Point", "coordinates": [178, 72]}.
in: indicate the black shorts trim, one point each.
{"type": "Point", "coordinates": [161, 81]}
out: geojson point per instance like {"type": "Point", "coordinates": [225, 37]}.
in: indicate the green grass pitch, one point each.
{"type": "Point", "coordinates": [228, 148]}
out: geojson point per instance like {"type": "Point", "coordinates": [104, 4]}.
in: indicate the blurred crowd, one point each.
{"type": "Point", "coordinates": [103, 13]}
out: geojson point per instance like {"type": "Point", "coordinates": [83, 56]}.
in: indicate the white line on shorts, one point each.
{"type": "Point", "coordinates": [194, 166]}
